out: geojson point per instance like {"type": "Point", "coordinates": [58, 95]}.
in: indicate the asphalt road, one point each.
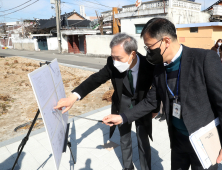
{"type": "Point", "coordinates": [78, 60]}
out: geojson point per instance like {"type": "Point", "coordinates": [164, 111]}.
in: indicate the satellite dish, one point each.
{"type": "Point", "coordinates": [138, 3]}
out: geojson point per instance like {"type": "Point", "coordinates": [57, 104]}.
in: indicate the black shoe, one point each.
{"type": "Point", "coordinates": [158, 116]}
{"type": "Point", "coordinates": [163, 117]}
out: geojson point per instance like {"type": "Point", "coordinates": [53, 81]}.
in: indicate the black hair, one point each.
{"type": "Point", "coordinates": [159, 27]}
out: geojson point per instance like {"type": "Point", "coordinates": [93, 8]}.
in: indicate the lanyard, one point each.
{"type": "Point", "coordinates": [178, 79]}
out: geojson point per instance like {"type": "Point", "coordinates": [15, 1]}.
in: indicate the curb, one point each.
{"type": "Point", "coordinates": [68, 65]}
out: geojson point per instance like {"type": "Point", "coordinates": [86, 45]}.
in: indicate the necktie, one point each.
{"type": "Point", "coordinates": [130, 77]}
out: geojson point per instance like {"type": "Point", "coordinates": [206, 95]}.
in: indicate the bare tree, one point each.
{"type": "Point", "coordinates": [100, 20]}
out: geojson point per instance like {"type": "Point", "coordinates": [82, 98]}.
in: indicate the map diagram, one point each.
{"type": "Point", "coordinates": [48, 88]}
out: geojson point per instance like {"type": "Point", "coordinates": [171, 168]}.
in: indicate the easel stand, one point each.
{"type": "Point", "coordinates": [26, 138]}
{"type": "Point", "coordinates": [67, 143]}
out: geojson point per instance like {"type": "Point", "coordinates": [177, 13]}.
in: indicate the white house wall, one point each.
{"type": "Point", "coordinates": [177, 16]}
{"type": "Point", "coordinates": [128, 24]}
{"type": "Point", "coordinates": [64, 41]}
{"type": "Point", "coordinates": [52, 43]}
{"type": "Point", "coordinates": [183, 16]}
{"type": "Point", "coordinates": [99, 44]}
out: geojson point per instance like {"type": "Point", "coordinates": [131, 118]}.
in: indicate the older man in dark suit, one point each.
{"type": "Point", "coordinates": [131, 76]}
{"type": "Point", "coordinates": [189, 83]}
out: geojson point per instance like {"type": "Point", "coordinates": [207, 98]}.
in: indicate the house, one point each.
{"type": "Point", "coordinates": [199, 35]}
{"type": "Point", "coordinates": [9, 28]}
{"type": "Point", "coordinates": [74, 39]}
{"type": "Point", "coordinates": [108, 20]}
{"type": "Point", "coordinates": [215, 11]}
{"type": "Point", "coordinates": [72, 25]}
{"type": "Point", "coordinates": [133, 18]}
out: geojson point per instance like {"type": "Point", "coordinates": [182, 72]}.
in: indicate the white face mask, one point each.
{"type": "Point", "coordinates": [219, 44]}
{"type": "Point", "coordinates": [121, 67]}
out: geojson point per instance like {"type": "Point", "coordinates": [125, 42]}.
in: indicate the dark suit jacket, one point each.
{"type": "Point", "coordinates": [200, 91]}
{"type": "Point", "coordinates": [120, 84]}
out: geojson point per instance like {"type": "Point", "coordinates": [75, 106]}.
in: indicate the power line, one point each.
{"type": "Point", "coordinates": [13, 18]}
{"type": "Point", "coordinates": [20, 9]}
{"type": "Point", "coordinates": [84, 5]}
{"type": "Point", "coordinates": [97, 3]}
{"type": "Point", "coordinates": [16, 6]}
{"type": "Point", "coordinates": [81, 4]}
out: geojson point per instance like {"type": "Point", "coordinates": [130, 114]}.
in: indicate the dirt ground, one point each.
{"type": "Point", "coordinates": [17, 101]}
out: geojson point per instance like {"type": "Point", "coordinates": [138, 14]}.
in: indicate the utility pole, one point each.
{"type": "Point", "coordinates": [115, 22]}
{"type": "Point", "coordinates": [58, 23]}
{"type": "Point", "coordinates": [164, 6]}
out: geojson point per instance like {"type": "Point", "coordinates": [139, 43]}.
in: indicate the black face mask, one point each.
{"type": "Point", "coordinates": [154, 57]}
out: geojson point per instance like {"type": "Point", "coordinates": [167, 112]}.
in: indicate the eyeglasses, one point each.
{"type": "Point", "coordinates": [148, 48]}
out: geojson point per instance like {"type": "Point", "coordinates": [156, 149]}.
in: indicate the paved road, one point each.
{"type": "Point", "coordinates": [79, 60]}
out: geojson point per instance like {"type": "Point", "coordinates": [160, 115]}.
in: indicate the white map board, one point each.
{"type": "Point", "coordinates": [48, 88]}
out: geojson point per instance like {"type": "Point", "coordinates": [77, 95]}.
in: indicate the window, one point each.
{"type": "Point", "coordinates": [139, 28]}
{"type": "Point", "coordinates": [194, 30]}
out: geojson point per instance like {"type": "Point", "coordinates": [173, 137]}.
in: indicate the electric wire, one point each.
{"type": "Point", "coordinates": [21, 8]}
{"type": "Point", "coordinates": [84, 5]}
{"type": "Point", "coordinates": [16, 6]}
{"type": "Point", "coordinates": [97, 3]}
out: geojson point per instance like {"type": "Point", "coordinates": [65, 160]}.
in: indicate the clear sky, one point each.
{"type": "Point", "coordinates": [43, 9]}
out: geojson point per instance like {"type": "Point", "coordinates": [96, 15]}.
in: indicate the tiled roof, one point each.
{"type": "Point", "coordinates": [50, 23]}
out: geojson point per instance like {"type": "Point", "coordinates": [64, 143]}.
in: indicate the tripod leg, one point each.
{"type": "Point", "coordinates": [21, 146]}
{"type": "Point", "coordinates": [24, 140]}
{"type": "Point", "coordinates": [69, 145]}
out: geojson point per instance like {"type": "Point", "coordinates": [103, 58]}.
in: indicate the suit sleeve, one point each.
{"type": "Point", "coordinates": [94, 81]}
{"type": "Point", "coordinates": [146, 106]}
{"type": "Point", "coordinates": [213, 78]}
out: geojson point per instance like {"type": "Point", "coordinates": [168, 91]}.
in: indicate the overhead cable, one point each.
{"type": "Point", "coordinates": [20, 9]}
{"type": "Point", "coordinates": [16, 6]}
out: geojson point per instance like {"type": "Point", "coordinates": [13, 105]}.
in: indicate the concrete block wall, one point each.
{"type": "Point", "coordinates": [24, 44]}
{"type": "Point", "coordinates": [99, 44]}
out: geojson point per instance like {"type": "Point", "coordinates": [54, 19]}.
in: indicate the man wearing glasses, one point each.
{"type": "Point", "coordinates": [131, 76]}
{"type": "Point", "coordinates": [188, 82]}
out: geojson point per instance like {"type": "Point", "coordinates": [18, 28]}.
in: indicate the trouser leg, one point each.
{"type": "Point", "coordinates": [143, 147]}
{"type": "Point", "coordinates": [126, 144]}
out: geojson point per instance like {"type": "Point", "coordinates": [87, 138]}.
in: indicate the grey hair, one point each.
{"type": "Point", "coordinates": [129, 43]}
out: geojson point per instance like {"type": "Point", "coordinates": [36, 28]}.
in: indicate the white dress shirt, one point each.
{"type": "Point", "coordinates": [135, 71]}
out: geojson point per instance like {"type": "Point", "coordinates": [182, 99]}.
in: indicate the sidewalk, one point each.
{"type": "Point", "coordinates": [87, 138]}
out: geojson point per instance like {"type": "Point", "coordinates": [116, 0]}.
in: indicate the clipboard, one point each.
{"type": "Point", "coordinates": [211, 143]}
{"type": "Point", "coordinates": [208, 148]}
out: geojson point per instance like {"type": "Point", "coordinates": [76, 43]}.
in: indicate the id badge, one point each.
{"type": "Point", "coordinates": [176, 110]}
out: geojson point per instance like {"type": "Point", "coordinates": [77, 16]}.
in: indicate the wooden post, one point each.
{"type": "Point", "coordinates": [115, 23]}
{"type": "Point", "coordinates": [164, 6]}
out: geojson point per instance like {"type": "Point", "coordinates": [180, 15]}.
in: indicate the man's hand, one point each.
{"type": "Point", "coordinates": [154, 115]}
{"type": "Point", "coordinates": [219, 158]}
{"type": "Point", "coordinates": [66, 102]}
{"type": "Point", "coordinates": [111, 120]}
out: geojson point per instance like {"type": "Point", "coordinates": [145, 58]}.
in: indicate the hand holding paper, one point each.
{"type": "Point", "coordinates": [219, 158]}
